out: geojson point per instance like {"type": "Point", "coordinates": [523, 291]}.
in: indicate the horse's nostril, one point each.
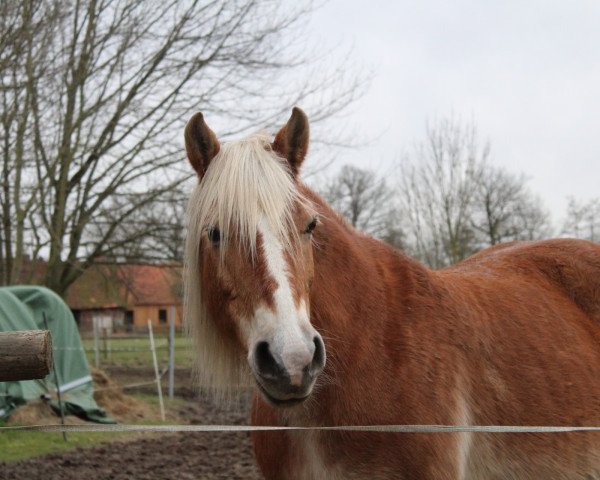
{"type": "Point", "coordinates": [265, 362]}
{"type": "Point", "coordinates": [318, 361]}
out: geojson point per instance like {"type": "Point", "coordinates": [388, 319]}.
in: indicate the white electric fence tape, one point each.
{"type": "Point", "coordinates": [350, 428]}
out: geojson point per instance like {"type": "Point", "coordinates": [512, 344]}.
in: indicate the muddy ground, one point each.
{"type": "Point", "coordinates": [186, 456]}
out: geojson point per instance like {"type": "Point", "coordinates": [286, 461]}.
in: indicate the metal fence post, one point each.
{"type": "Point", "coordinates": [57, 384]}
{"type": "Point", "coordinates": [104, 342]}
{"type": "Point", "coordinates": [96, 342]}
{"type": "Point", "coordinates": [172, 351]}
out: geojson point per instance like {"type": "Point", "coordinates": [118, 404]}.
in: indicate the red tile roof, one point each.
{"type": "Point", "coordinates": [112, 286]}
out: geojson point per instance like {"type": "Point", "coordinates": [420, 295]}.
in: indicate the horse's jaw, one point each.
{"type": "Point", "coordinates": [282, 403]}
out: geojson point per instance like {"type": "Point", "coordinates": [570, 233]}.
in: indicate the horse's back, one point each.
{"type": "Point", "coordinates": [569, 265]}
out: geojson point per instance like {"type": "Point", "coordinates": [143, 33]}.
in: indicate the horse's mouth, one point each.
{"type": "Point", "coordinates": [278, 402]}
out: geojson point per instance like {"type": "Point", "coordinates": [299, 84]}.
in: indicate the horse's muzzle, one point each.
{"type": "Point", "coordinates": [287, 377]}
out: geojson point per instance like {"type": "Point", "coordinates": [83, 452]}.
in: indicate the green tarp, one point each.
{"type": "Point", "coordinates": [23, 308]}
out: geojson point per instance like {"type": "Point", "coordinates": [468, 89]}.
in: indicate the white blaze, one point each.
{"type": "Point", "coordinates": [286, 327]}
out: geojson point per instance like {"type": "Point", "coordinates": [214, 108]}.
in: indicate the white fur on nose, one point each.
{"type": "Point", "coordinates": [287, 328]}
{"type": "Point", "coordinates": [296, 355]}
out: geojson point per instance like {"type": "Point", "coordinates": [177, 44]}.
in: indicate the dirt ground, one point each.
{"type": "Point", "coordinates": [186, 456]}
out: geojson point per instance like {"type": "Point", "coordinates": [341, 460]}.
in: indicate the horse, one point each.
{"type": "Point", "coordinates": [332, 327]}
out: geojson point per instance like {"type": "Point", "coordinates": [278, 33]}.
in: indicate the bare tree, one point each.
{"type": "Point", "coordinates": [438, 184]}
{"type": "Point", "coordinates": [24, 39]}
{"type": "Point", "coordinates": [162, 232]}
{"type": "Point", "coordinates": [505, 209]}
{"type": "Point", "coordinates": [454, 202]}
{"type": "Point", "coordinates": [365, 201]}
{"type": "Point", "coordinates": [583, 219]}
{"type": "Point", "coordinates": [95, 93]}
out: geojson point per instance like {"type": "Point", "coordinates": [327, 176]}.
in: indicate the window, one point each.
{"type": "Point", "coordinates": [162, 316]}
{"type": "Point", "coordinates": [128, 320]}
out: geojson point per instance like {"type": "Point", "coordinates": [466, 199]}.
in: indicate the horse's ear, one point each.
{"type": "Point", "coordinates": [201, 144]}
{"type": "Point", "coordinates": [292, 140]}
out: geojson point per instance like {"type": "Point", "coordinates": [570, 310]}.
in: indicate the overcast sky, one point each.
{"type": "Point", "coordinates": [526, 72]}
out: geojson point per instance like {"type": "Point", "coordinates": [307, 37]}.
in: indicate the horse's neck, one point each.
{"type": "Point", "coordinates": [364, 277]}
{"type": "Point", "coordinates": [361, 292]}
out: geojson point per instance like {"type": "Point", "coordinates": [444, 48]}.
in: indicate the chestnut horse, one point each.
{"type": "Point", "coordinates": [333, 327]}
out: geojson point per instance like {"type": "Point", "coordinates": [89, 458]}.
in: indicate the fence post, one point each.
{"type": "Point", "coordinates": [105, 343]}
{"type": "Point", "coordinates": [96, 342]}
{"type": "Point", "coordinates": [158, 386]}
{"type": "Point", "coordinates": [57, 383]}
{"type": "Point", "coordinates": [25, 355]}
{"type": "Point", "coordinates": [172, 351]}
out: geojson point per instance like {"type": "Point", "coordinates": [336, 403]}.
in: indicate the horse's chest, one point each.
{"type": "Point", "coordinates": [311, 462]}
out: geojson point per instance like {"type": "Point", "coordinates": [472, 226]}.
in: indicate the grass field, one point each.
{"type": "Point", "coordinates": [19, 445]}
{"type": "Point", "coordinates": [135, 351]}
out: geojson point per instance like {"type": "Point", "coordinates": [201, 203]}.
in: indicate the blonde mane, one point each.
{"type": "Point", "coordinates": [244, 183]}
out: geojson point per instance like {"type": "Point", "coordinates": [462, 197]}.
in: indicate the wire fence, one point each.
{"type": "Point", "coordinates": [104, 349]}
{"type": "Point", "coordinates": [128, 386]}
{"type": "Point", "coordinates": [346, 428]}
{"type": "Point", "coordinates": [135, 351]}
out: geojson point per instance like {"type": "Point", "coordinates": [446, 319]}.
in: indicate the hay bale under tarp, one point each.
{"type": "Point", "coordinates": [25, 308]}
{"type": "Point", "coordinates": [39, 412]}
{"type": "Point", "coordinates": [110, 396]}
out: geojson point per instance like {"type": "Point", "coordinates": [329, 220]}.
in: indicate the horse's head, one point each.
{"type": "Point", "coordinates": [249, 262]}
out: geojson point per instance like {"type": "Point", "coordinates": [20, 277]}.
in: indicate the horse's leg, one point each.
{"type": "Point", "coordinates": [402, 456]}
{"type": "Point", "coordinates": [427, 456]}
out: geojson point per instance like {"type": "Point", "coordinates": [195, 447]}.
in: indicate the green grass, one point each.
{"type": "Point", "coordinates": [112, 352]}
{"type": "Point", "coordinates": [22, 444]}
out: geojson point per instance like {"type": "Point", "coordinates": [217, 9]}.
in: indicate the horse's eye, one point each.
{"type": "Point", "coordinates": [311, 226]}
{"type": "Point", "coordinates": [214, 235]}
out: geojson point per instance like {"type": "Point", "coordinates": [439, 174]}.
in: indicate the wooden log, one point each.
{"type": "Point", "coordinates": [25, 355]}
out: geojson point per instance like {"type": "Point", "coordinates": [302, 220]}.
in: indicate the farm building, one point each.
{"type": "Point", "coordinates": [124, 297]}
